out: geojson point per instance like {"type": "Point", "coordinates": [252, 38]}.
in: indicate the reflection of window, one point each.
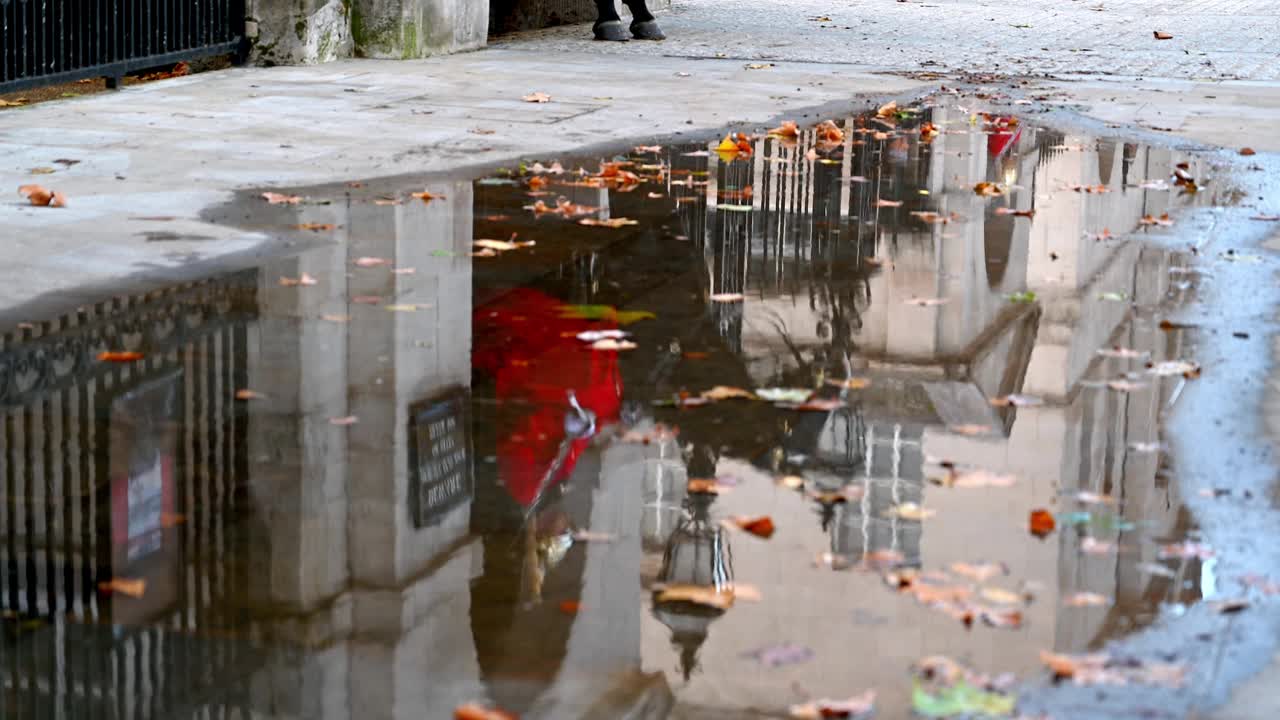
{"type": "Point", "coordinates": [892, 475]}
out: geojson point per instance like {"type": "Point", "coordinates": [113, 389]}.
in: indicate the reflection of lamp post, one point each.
{"type": "Point", "coordinates": [697, 554]}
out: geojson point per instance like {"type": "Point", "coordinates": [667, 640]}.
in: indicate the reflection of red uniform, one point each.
{"type": "Point", "coordinates": [536, 359]}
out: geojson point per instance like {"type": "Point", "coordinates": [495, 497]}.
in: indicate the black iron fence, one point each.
{"type": "Point", "coordinates": [43, 42]}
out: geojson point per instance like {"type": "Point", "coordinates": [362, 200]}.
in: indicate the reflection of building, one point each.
{"type": "Point", "coordinates": [933, 368]}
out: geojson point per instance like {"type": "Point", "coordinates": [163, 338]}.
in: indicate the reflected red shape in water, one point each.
{"type": "Point", "coordinates": [532, 352]}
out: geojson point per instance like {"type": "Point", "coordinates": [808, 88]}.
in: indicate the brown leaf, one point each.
{"type": "Point", "coordinates": [857, 383]}
{"type": "Point", "coordinates": [1247, 151]}
{"type": "Point", "coordinates": [988, 189]}
{"type": "Point", "coordinates": [315, 227]}
{"type": "Point", "coordinates": [1042, 523]}
{"type": "Point", "coordinates": [727, 297]}
{"type": "Point", "coordinates": [852, 707]}
{"type": "Point", "coordinates": [707, 595]}
{"type": "Point", "coordinates": [1015, 212]}
{"type": "Point", "coordinates": [249, 395]}
{"type": "Point", "coordinates": [979, 572]}
{"type": "Point", "coordinates": [610, 223]}
{"type": "Point", "coordinates": [1151, 220]}
{"type": "Point", "coordinates": [1086, 599]}
{"type": "Point", "coordinates": [882, 203]}
{"type": "Point", "coordinates": [537, 97]}
{"type": "Point", "coordinates": [1162, 35]}
{"type": "Point", "coordinates": [368, 262]}
{"type": "Point", "coordinates": [36, 194]}
{"type": "Point", "coordinates": [888, 110]}
{"type": "Point", "coordinates": [788, 130]}
{"type": "Point", "coordinates": [119, 356]}
{"type": "Point", "coordinates": [910, 511]}
{"type": "Point", "coordinates": [724, 392]}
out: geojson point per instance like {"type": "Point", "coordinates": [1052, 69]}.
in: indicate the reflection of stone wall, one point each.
{"type": "Point", "coordinates": [370, 602]}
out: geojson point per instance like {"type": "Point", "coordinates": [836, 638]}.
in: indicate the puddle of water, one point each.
{"type": "Point", "coordinates": [351, 482]}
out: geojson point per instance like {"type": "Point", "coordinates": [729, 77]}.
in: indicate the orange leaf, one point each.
{"type": "Point", "coordinates": [476, 711]}
{"type": "Point", "coordinates": [1042, 523]}
{"type": "Point", "coordinates": [537, 97]}
{"type": "Point", "coordinates": [135, 588]}
{"type": "Point", "coordinates": [315, 227]}
{"type": "Point", "coordinates": [570, 607]}
{"type": "Point", "coordinates": [303, 279]}
{"type": "Point", "coordinates": [988, 189]}
{"type": "Point", "coordinates": [37, 194]}
{"type": "Point", "coordinates": [788, 130]}
{"type": "Point", "coordinates": [1248, 151]}
{"type": "Point", "coordinates": [1162, 35]}
{"type": "Point", "coordinates": [427, 196]}
{"type": "Point", "coordinates": [881, 203]}
{"type": "Point", "coordinates": [119, 356]}
{"type": "Point", "coordinates": [249, 395]}
{"type": "Point", "coordinates": [759, 526]}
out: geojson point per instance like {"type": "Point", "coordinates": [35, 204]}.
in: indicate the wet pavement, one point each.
{"type": "Point", "coordinates": [401, 470]}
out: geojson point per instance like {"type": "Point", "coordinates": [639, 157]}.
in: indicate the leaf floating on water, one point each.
{"type": "Point", "coordinates": [853, 708]}
{"type": "Point", "coordinates": [1093, 498]}
{"type": "Point", "coordinates": [979, 572]}
{"type": "Point", "coordinates": [302, 280]}
{"type": "Point", "coordinates": [1015, 212]}
{"type": "Point", "coordinates": [368, 262]}
{"type": "Point", "coordinates": [727, 297]}
{"type": "Point", "coordinates": [705, 595]}
{"type": "Point", "coordinates": [970, 429]}
{"type": "Point", "coordinates": [1185, 368]}
{"type": "Point", "coordinates": [988, 189]}
{"type": "Point", "coordinates": [791, 482]}
{"type": "Point", "coordinates": [1126, 386]}
{"type": "Point", "coordinates": [249, 395]}
{"type": "Point", "coordinates": [882, 203]}
{"type": "Point", "coordinates": [315, 227]}
{"type": "Point", "coordinates": [942, 688]}
{"type": "Point", "coordinates": [910, 511]}
{"type": "Point", "coordinates": [761, 526]}
{"type": "Point", "coordinates": [606, 313]}
{"type": "Point", "coordinates": [1186, 550]}
{"type": "Point", "coordinates": [788, 395]}
{"type": "Point", "coordinates": [610, 344]}
{"type": "Point", "coordinates": [974, 479]}
{"type": "Point", "coordinates": [1102, 669]}
{"type": "Point", "coordinates": [133, 587]}
{"type": "Point", "coordinates": [927, 302]}
{"type": "Point", "coordinates": [851, 383]}
{"type": "Point", "coordinates": [1001, 596]}
{"type": "Point", "coordinates": [476, 711]}
{"type": "Point", "coordinates": [119, 356]}
{"type": "Point", "coordinates": [1086, 599]}
{"type": "Point", "coordinates": [1153, 221]}
{"type": "Point", "coordinates": [344, 421]}
{"type": "Point", "coordinates": [426, 196]}
{"type": "Point", "coordinates": [780, 655]}
{"type": "Point", "coordinates": [1094, 546]}
{"type": "Point", "coordinates": [1113, 296]}
{"type": "Point", "coordinates": [591, 336]}
{"type": "Point", "coordinates": [536, 97]}
{"type": "Point", "coordinates": [42, 197]}
{"type": "Point", "coordinates": [1016, 401]}
{"type": "Point", "coordinates": [613, 223]}
{"type": "Point", "coordinates": [502, 245]}
{"type": "Point", "coordinates": [789, 130]}
{"type": "Point", "coordinates": [274, 198]}
{"type": "Point", "coordinates": [1042, 523]}
{"type": "Point", "coordinates": [724, 392]}
{"type": "Point", "coordinates": [588, 536]}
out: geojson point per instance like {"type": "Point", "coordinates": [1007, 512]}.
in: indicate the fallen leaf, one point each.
{"type": "Point", "coordinates": [1162, 35]}
{"type": "Point", "coordinates": [927, 302]}
{"type": "Point", "coordinates": [386, 201]}
{"type": "Point", "coordinates": [476, 711]}
{"type": "Point", "coordinates": [591, 336]}
{"type": "Point", "coordinates": [1126, 386]}
{"type": "Point", "coordinates": [1125, 353]}
{"type": "Point", "coordinates": [761, 526]}
{"type": "Point", "coordinates": [303, 279]}
{"type": "Point", "coordinates": [1042, 523]}
{"type": "Point", "coordinates": [724, 392]}
{"type": "Point", "coordinates": [366, 299]}
{"type": "Point", "coordinates": [42, 171]}
{"type": "Point", "coordinates": [610, 223]}
{"type": "Point", "coordinates": [1266, 218]}
{"type": "Point", "coordinates": [1001, 596]}
{"type": "Point", "coordinates": [882, 203]}
{"type": "Point", "coordinates": [133, 587]}
{"type": "Point", "coordinates": [41, 196]}
{"type": "Point", "coordinates": [727, 297]}
{"type": "Point", "coordinates": [1086, 599]}
{"type": "Point", "coordinates": [275, 198]}
{"type": "Point", "coordinates": [336, 318]}
{"type": "Point", "coordinates": [1015, 212]}
{"type": "Point", "coordinates": [1093, 498]}
{"type": "Point", "coordinates": [1094, 546]}
{"type": "Point", "coordinates": [979, 572]}
{"type": "Point", "coordinates": [1151, 220]}
{"type": "Point", "coordinates": [368, 262]}
{"type": "Point", "coordinates": [344, 421]}
{"type": "Point", "coordinates": [1186, 368]}
{"type": "Point", "coordinates": [1091, 189]}
{"type": "Point", "coordinates": [249, 395]}
{"type": "Point", "coordinates": [979, 479]}
{"type": "Point", "coordinates": [759, 66]}
{"type": "Point", "coordinates": [537, 97]}
{"type": "Point", "coordinates": [988, 189]}
{"type": "Point", "coordinates": [853, 707]}
{"type": "Point", "coordinates": [788, 130]}
{"type": "Point", "coordinates": [501, 245]}
{"type": "Point", "coordinates": [588, 536]}
{"type": "Point", "coordinates": [119, 356]}
{"type": "Point", "coordinates": [1186, 550]}
{"type": "Point", "coordinates": [427, 196]}
{"type": "Point", "coordinates": [570, 607]}
{"type": "Point", "coordinates": [791, 482]}
{"type": "Point", "coordinates": [1016, 401]}
{"type": "Point", "coordinates": [315, 227]}
{"type": "Point", "coordinates": [1247, 151]}
{"type": "Point", "coordinates": [971, 429]}
{"type": "Point", "coordinates": [828, 132]}
{"type": "Point", "coordinates": [788, 395]}
{"type": "Point", "coordinates": [910, 511]}
{"type": "Point", "coordinates": [610, 344]}
{"type": "Point", "coordinates": [706, 595]}
{"type": "Point", "coordinates": [888, 110]}
{"type": "Point", "coordinates": [19, 102]}
{"type": "Point", "coordinates": [851, 383]}
{"type": "Point", "coordinates": [404, 271]}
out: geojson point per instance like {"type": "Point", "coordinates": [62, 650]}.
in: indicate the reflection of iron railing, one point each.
{"type": "Point", "coordinates": [130, 471]}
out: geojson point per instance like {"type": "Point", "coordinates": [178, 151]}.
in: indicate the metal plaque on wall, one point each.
{"type": "Point", "coordinates": [441, 474]}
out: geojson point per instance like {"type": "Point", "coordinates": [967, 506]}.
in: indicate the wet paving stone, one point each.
{"type": "Point", "coordinates": [707, 428]}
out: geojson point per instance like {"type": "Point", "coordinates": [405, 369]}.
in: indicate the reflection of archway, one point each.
{"type": "Point", "coordinates": [997, 241]}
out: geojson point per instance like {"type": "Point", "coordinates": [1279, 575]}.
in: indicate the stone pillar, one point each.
{"type": "Point", "coordinates": [418, 28]}
{"type": "Point", "coordinates": [298, 32]}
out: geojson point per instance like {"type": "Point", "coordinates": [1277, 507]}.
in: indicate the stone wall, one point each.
{"type": "Point", "coordinates": [294, 32]}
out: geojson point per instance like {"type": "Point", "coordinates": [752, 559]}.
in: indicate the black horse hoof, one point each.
{"type": "Point", "coordinates": [611, 30]}
{"type": "Point", "coordinates": [647, 30]}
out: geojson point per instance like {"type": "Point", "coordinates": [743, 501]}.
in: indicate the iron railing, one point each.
{"type": "Point", "coordinates": [44, 42]}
